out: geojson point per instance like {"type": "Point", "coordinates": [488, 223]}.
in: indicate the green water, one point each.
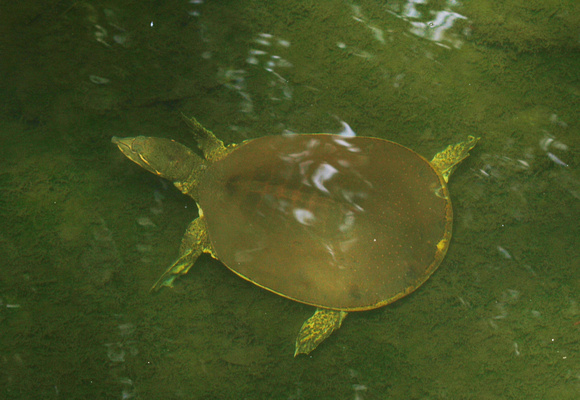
{"type": "Point", "coordinates": [84, 232]}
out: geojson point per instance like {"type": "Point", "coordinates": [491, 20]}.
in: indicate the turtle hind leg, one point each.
{"type": "Point", "coordinates": [194, 243]}
{"type": "Point", "coordinates": [447, 160]}
{"type": "Point", "coordinates": [317, 328]}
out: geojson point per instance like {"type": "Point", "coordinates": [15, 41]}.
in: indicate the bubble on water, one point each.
{"type": "Point", "coordinates": [146, 221]}
{"type": "Point", "coordinates": [504, 253]}
{"type": "Point", "coordinates": [99, 80]}
{"type": "Point", "coordinates": [127, 329]}
{"type": "Point", "coordinates": [115, 352]}
{"type": "Point", "coordinates": [143, 248]}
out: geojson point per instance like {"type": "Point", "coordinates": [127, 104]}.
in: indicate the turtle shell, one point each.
{"type": "Point", "coordinates": [341, 223]}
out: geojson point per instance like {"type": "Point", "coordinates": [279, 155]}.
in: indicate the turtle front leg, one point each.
{"type": "Point", "coordinates": [194, 243]}
{"type": "Point", "coordinates": [317, 328]}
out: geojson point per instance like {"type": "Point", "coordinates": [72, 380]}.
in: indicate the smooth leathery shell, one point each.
{"type": "Point", "coordinates": [336, 222]}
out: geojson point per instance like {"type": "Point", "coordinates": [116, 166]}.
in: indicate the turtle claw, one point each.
{"type": "Point", "coordinates": [317, 328]}
{"type": "Point", "coordinates": [162, 282]}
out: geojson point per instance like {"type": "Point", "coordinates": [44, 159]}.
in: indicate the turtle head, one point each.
{"type": "Point", "coordinates": [165, 158]}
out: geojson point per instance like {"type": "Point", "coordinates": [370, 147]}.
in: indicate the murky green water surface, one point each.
{"type": "Point", "coordinates": [84, 232]}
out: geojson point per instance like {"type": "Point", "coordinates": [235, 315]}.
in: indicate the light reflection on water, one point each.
{"type": "Point", "coordinates": [438, 28]}
{"type": "Point", "coordinates": [263, 58]}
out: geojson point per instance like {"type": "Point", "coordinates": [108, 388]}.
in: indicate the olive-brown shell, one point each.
{"type": "Point", "coordinates": [335, 222]}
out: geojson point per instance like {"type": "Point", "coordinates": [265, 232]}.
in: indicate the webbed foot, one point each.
{"type": "Point", "coordinates": [317, 328]}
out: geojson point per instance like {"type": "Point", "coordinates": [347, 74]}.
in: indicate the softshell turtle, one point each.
{"type": "Point", "coordinates": [340, 223]}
